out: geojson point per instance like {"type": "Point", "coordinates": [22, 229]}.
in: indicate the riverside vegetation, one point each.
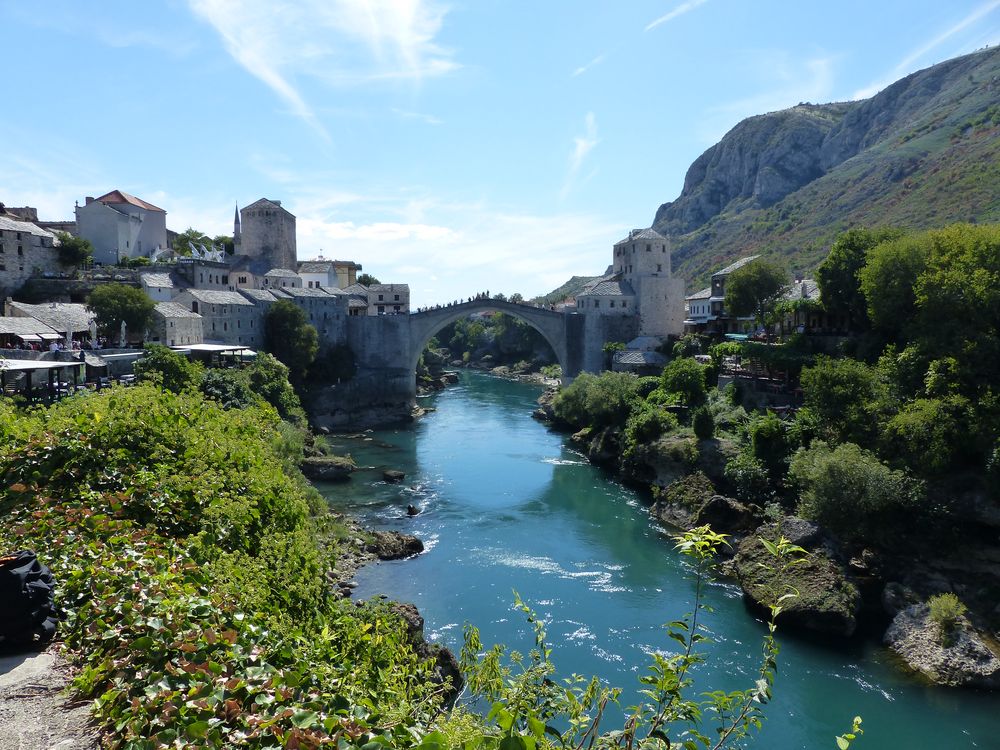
{"type": "Point", "coordinates": [194, 561]}
{"type": "Point", "coordinates": [889, 473]}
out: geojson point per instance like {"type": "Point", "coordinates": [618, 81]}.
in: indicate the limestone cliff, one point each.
{"type": "Point", "coordinates": [923, 152]}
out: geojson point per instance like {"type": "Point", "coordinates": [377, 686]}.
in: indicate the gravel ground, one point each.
{"type": "Point", "coordinates": [34, 712]}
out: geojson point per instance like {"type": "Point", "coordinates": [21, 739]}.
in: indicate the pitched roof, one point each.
{"type": "Point", "coordinates": [266, 203]}
{"type": "Point", "coordinates": [282, 273]}
{"type": "Point", "coordinates": [389, 288]}
{"type": "Point", "coordinates": [306, 292]}
{"type": "Point", "coordinates": [642, 234]}
{"type": "Point", "coordinates": [608, 287]}
{"type": "Point", "coordinates": [173, 310]}
{"type": "Point", "coordinates": [216, 297]}
{"type": "Point", "coordinates": [644, 344]}
{"type": "Point", "coordinates": [630, 357]}
{"type": "Point", "coordinates": [703, 294]}
{"type": "Point", "coordinates": [19, 326]}
{"type": "Point", "coordinates": [356, 289]}
{"type": "Point", "coordinates": [738, 264]}
{"type": "Point", "coordinates": [802, 289]}
{"type": "Point", "coordinates": [158, 279]}
{"type": "Point", "coordinates": [11, 224]}
{"type": "Point", "coordinates": [316, 266]}
{"type": "Point", "coordinates": [58, 315]}
{"type": "Point", "coordinates": [258, 295]}
{"type": "Point", "coordinates": [120, 196]}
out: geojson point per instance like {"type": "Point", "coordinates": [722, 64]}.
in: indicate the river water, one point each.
{"type": "Point", "coordinates": [508, 505]}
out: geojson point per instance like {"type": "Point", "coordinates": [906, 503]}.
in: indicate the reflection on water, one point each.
{"type": "Point", "coordinates": [507, 505]}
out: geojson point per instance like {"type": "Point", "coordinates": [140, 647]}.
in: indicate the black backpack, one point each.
{"type": "Point", "coordinates": [27, 600]}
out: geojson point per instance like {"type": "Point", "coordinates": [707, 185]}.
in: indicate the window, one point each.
{"type": "Point", "coordinates": [380, 298]}
{"type": "Point", "coordinates": [225, 326]}
{"type": "Point", "coordinates": [659, 267]}
{"type": "Point", "coordinates": [20, 250]}
{"type": "Point", "coordinates": [597, 303]}
{"type": "Point", "coordinates": [225, 279]}
{"type": "Point", "coordinates": [238, 324]}
{"type": "Point", "coordinates": [395, 308]}
{"type": "Point", "coordinates": [1, 247]}
{"type": "Point", "coordinates": [624, 303]}
{"type": "Point", "coordinates": [612, 303]}
{"type": "Point", "coordinates": [396, 298]}
{"type": "Point", "coordinates": [381, 309]}
{"type": "Point", "coordinates": [649, 248]}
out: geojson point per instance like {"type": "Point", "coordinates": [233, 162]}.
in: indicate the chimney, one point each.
{"type": "Point", "coordinates": [88, 200]}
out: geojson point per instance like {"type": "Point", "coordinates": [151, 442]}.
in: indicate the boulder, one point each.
{"type": "Point", "coordinates": [605, 446]}
{"type": "Point", "coordinates": [545, 412]}
{"type": "Point", "coordinates": [662, 462]}
{"type": "Point", "coordinates": [445, 664]}
{"type": "Point", "coordinates": [328, 468]}
{"type": "Point", "coordinates": [726, 515]}
{"type": "Point", "coordinates": [964, 659]}
{"type": "Point", "coordinates": [826, 599]}
{"type": "Point", "coordinates": [679, 504]}
{"type": "Point", "coordinates": [392, 545]}
{"type": "Point", "coordinates": [393, 475]}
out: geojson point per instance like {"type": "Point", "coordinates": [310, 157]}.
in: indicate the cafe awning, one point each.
{"type": "Point", "coordinates": [28, 336]}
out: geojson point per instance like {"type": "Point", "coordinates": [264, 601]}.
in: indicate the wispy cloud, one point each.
{"type": "Point", "coordinates": [337, 42]}
{"type": "Point", "coordinates": [905, 66]}
{"type": "Point", "coordinates": [582, 146]}
{"type": "Point", "coordinates": [422, 117]}
{"type": "Point", "coordinates": [584, 68]}
{"type": "Point", "coordinates": [680, 10]}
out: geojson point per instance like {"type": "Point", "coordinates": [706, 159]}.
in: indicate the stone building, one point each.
{"type": "Point", "coordinates": [326, 310]}
{"type": "Point", "coordinates": [323, 274]}
{"type": "Point", "coordinates": [176, 325]}
{"type": "Point", "coordinates": [160, 286]}
{"type": "Point", "coordinates": [640, 282]}
{"type": "Point", "coordinates": [706, 309]}
{"type": "Point", "coordinates": [120, 225]}
{"type": "Point", "coordinates": [25, 249]}
{"type": "Point", "coordinates": [265, 232]}
{"type": "Point", "coordinates": [388, 299]}
{"type": "Point", "coordinates": [227, 317]}
{"type": "Point", "coordinates": [280, 278]}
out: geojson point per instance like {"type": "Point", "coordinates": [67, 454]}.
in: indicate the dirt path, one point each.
{"type": "Point", "coordinates": [34, 712]}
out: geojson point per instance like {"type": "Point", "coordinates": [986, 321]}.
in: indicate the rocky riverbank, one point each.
{"type": "Point", "coordinates": [840, 589]}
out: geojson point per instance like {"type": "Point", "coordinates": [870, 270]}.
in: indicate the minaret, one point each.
{"type": "Point", "coordinates": [236, 227]}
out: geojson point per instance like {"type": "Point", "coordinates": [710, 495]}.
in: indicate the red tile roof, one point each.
{"type": "Point", "coordinates": [119, 196]}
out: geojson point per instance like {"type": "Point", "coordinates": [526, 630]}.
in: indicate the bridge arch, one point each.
{"type": "Point", "coordinates": [549, 324]}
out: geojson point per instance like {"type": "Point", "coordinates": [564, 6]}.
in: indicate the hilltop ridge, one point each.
{"type": "Point", "coordinates": [921, 153]}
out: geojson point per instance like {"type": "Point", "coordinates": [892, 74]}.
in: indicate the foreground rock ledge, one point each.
{"type": "Point", "coordinates": [967, 661]}
{"type": "Point", "coordinates": [827, 600]}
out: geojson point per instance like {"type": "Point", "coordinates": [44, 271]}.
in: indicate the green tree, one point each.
{"type": "Point", "coordinates": [168, 369]}
{"type": "Point", "coordinates": [291, 338]}
{"type": "Point", "coordinates": [74, 251]}
{"type": "Point", "coordinates": [686, 378]}
{"type": "Point", "coordinates": [184, 243]}
{"type": "Point", "coordinates": [366, 279]}
{"type": "Point", "coordinates": [931, 436]}
{"type": "Point", "coordinates": [755, 289]}
{"type": "Point", "coordinates": [849, 491]}
{"type": "Point", "coordinates": [114, 303]}
{"type": "Point", "coordinates": [845, 396]}
{"type": "Point", "coordinates": [225, 243]}
{"type": "Point", "coordinates": [888, 280]}
{"type": "Point", "coordinates": [838, 275]}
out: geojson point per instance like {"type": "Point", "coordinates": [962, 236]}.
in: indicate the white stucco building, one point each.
{"type": "Point", "coordinates": [120, 225]}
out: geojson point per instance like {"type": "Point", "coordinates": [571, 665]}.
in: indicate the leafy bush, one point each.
{"type": "Point", "coordinates": [230, 387]}
{"type": "Point", "coordinates": [703, 423]}
{"type": "Point", "coordinates": [852, 493]}
{"type": "Point", "coordinates": [768, 443]}
{"type": "Point", "coordinates": [646, 424]}
{"type": "Point", "coordinates": [845, 396]}
{"type": "Point", "coordinates": [686, 378]}
{"type": "Point", "coordinates": [168, 369]}
{"type": "Point", "coordinates": [749, 478]}
{"type": "Point", "coordinates": [946, 610]}
{"type": "Point", "coordinates": [552, 371]}
{"type": "Point", "coordinates": [597, 400]}
{"type": "Point", "coordinates": [930, 436]}
{"type": "Point", "coordinates": [192, 572]}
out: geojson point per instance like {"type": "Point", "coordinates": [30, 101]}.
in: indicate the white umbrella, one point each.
{"type": "Point", "coordinates": [93, 331]}
{"type": "Point", "coordinates": [121, 336]}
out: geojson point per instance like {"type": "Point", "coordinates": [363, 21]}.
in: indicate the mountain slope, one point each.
{"type": "Point", "coordinates": [923, 152]}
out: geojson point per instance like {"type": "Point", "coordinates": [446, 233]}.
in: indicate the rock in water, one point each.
{"type": "Point", "coordinates": [393, 475]}
{"type": "Point", "coordinates": [965, 660]}
{"type": "Point", "coordinates": [392, 545]}
{"type": "Point", "coordinates": [827, 600]}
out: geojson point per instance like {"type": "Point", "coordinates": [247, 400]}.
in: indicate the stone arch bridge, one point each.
{"type": "Point", "coordinates": [387, 347]}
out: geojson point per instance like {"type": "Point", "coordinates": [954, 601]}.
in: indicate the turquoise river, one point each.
{"type": "Point", "coordinates": [508, 505]}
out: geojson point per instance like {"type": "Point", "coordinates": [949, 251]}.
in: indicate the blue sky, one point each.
{"type": "Point", "coordinates": [455, 146]}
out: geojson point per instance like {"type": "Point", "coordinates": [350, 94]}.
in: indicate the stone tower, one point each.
{"type": "Point", "coordinates": [643, 260]}
{"type": "Point", "coordinates": [267, 236]}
